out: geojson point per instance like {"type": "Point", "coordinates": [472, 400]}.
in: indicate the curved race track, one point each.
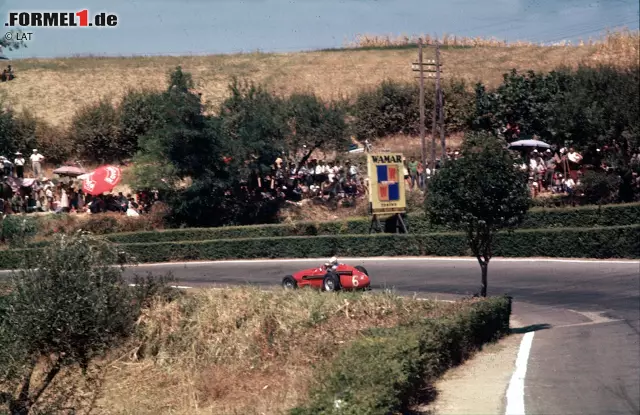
{"type": "Point", "coordinates": [588, 362]}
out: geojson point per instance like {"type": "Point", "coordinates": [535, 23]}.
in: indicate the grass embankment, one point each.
{"type": "Point", "coordinates": [55, 88]}
{"type": "Point", "coordinates": [247, 351]}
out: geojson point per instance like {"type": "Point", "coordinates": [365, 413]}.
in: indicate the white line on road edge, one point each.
{"type": "Point", "coordinates": [416, 259]}
{"type": "Point", "coordinates": [453, 259]}
{"type": "Point", "coordinates": [515, 393]}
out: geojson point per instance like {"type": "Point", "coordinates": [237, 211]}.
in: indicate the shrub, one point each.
{"type": "Point", "coordinates": [53, 142]}
{"type": "Point", "coordinates": [17, 230]}
{"type": "Point", "coordinates": [610, 242]}
{"type": "Point", "coordinates": [94, 132]}
{"type": "Point", "coordinates": [600, 187]}
{"type": "Point", "coordinates": [384, 371]}
{"type": "Point", "coordinates": [138, 113]}
{"type": "Point", "coordinates": [588, 216]}
{"type": "Point", "coordinates": [72, 307]}
{"type": "Point", "coordinates": [390, 108]}
{"type": "Point", "coordinates": [393, 108]}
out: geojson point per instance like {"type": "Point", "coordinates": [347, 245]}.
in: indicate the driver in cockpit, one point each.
{"type": "Point", "coordinates": [333, 263]}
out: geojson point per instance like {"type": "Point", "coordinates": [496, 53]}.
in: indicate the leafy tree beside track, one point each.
{"type": "Point", "coordinates": [481, 193]}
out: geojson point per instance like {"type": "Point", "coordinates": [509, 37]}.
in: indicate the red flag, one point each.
{"type": "Point", "coordinates": [103, 179]}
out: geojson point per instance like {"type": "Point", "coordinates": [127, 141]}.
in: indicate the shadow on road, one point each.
{"type": "Point", "coordinates": [532, 327]}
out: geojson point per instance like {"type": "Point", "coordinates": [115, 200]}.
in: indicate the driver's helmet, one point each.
{"type": "Point", "coordinates": [333, 261]}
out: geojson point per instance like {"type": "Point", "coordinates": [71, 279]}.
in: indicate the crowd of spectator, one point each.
{"type": "Point", "coordinates": [315, 179]}
{"type": "Point", "coordinates": [549, 171]}
{"type": "Point", "coordinates": [37, 193]}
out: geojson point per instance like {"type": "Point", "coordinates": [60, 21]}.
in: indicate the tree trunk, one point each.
{"type": "Point", "coordinates": [307, 156]}
{"type": "Point", "coordinates": [483, 266]}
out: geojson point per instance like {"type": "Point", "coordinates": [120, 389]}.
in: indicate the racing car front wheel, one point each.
{"type": "Point", "coordinates": [362, 269]}
{"type": "Point", "coordinates": [331, 283]}
{"type": "Point", "coordinates": [289, 283]}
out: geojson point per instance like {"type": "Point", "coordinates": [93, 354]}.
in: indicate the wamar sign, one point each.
{"type": "Point", "coordinates": [386, 183]}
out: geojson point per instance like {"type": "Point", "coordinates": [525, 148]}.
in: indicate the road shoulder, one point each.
{"type": "Point", "coordinates": [479, 385]}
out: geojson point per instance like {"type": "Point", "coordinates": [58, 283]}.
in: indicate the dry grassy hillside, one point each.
{"type": "Point", "coordinates": [55, 88]}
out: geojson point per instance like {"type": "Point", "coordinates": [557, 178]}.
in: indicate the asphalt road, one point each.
{"type": "Point", "coordinates": [587, 362]}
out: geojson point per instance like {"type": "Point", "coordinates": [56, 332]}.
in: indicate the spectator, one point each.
{"type": "Point", "coordinates": [36, 163]}
{"type": "Point", "coordinates": [550, 168]}
{"type": "Point", "coordinates": [413, 172]}
{"type": "Point", "coordinates": [19, 163]}
{"type": "Point", "coordinates": [7, 166]}
{"type": "Point", "coordinates": [7, 74]}
{"type": "Point", "coordinates": [421, 175]}
{"type": "Point", "coordinates": [64, 200]}
{"type": "Point", "coordinates": [575, 161]}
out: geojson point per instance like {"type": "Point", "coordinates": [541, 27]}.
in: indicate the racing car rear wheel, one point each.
{"type": "Point", "coordinates": [362, 269]}
{"type": "Point", "coordinates": [331, 283]}
{"type": "Point", "coordinates": [289, 283]}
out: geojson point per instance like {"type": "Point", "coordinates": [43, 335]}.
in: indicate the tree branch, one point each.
{"type": "Point", "coordinates": [306, 157]}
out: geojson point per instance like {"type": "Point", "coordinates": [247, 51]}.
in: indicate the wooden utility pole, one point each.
{"type": "Point", "coordinates": [422, 120]}
{"type": "Point", "coordinates": [440, 95]}
{"type": "Point", "coordinates": [436, 109]}
{"type": "Point", "coordinates": [431, 73]}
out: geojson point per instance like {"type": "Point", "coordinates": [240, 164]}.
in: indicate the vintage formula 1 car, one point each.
{"type": "Point", "coordinates": [331, 276]}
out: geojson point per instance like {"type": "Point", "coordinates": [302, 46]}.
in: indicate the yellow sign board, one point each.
{"type": "Point", "coordinates": [386, 183]}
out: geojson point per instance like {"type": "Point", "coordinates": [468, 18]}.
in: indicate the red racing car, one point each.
{"type": "Point", "coordinates": [331, 276]}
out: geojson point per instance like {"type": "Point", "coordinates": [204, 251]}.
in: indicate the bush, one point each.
{"type": "Point", "coordinates": [610, 242]}
{"type": "Point", "coordinates": [384, 371]}
{"type": "Point", "coordinates": [600, 187]}
{"type": "Point", "coordinates": [72, 307]}
{"type": "Point", "coordinates": [17, 230]}
{"type": "Point", "coordinates": [53, 142]}
{"type": "Point", "coordinates": [121, 229]}
{"type": "Point", "coordinates": [613, 215]}
{"type": "Point", "coordinates": [94, 133]}
{"type": "Point", "coordinates": [139, 112]}
{"type": "Point", "coordinates": [393, 108]}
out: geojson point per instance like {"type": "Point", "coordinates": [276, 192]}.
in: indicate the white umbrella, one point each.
{"type": "Point", "coordinates": [69, 171]}
{"type": "Point", "coordinates": [528, 144]}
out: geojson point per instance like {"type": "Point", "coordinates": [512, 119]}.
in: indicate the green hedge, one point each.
{"type": "Point", "coordinates": [385, 370]}
{"type": "Point", "coordinates": [610, 242]}
{"type": "Point", "coordinates": [589, 216]}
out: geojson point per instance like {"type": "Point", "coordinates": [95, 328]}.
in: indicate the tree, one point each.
{"type": "Point", "coordinates": [314, 125]}
{"type": "Point", "coordinates": [74, 306]}
{"type": "Point", "coordinates": [139, 112]}
{"type": "Point", "coordinates": [480, 194]}
{"type": "Point", "coordinates": [94, 131]}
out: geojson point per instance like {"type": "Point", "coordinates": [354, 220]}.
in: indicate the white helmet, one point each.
{"type": "Point", "coordinates": [333, 260]}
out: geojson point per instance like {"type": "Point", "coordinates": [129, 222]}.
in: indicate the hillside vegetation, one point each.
{"type": "Point", "coordinates": [55, 89]}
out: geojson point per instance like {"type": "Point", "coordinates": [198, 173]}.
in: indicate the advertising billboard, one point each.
{"type": "Point", "coordinates": [386, 183]}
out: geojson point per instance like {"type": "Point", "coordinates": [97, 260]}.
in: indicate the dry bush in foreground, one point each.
{"type": "Point", "coordinates": [242, 350]}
